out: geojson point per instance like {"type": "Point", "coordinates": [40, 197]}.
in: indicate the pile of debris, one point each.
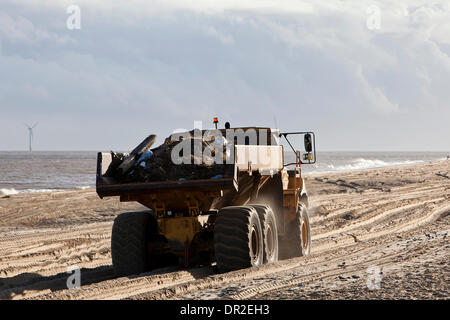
{"type": "Point", "coordinates": [148, 165]}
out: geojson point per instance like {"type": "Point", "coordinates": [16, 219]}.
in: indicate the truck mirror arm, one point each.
{"type": "Point", "coordinates": [285, 134]}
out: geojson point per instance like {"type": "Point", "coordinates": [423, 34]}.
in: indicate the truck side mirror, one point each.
{"type": "Point", "coordinates": [308, 143]}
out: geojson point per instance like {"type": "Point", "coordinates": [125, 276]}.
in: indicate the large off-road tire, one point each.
{"type": "Point", "coordinates": [270, 233]}
{"type": "Point", "coordinates": [238, 238]}
{"type": "Point", "coordinates": [129, 243]}
{"type": "Point", "coordinates": [297, 242]}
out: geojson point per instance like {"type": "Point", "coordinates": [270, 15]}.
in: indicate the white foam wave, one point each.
{"type": "Point", "coordinates": [84, 187]}
{"type": "Point", "coordinates": [7, 192]}
{"type": "Point", "coordinates": [362, 163]}
{"type": "Point", "coordinates": [38, 190]}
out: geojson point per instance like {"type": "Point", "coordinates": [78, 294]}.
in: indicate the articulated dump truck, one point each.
{"type": "Point", "coordinates": [256, 212]}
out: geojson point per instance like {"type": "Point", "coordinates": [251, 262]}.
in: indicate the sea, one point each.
{"type": "Point", "coordinates": [44, 171]}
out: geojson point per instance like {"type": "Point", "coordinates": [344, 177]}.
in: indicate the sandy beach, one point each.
{"type": "Point", "coordinates": [376, 234]}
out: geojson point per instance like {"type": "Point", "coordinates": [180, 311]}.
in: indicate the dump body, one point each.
{"type": "Point", "coordinates": [236, 187]}
{"type": "Point", "coordinates": [250, 169]}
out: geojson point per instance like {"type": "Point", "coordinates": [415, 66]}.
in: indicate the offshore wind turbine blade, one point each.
{"type": "Point", "coordinates": [34, 125]}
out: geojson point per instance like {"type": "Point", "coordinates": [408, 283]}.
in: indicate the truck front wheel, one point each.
{"type": "Point", "coordinates": [298, 240]}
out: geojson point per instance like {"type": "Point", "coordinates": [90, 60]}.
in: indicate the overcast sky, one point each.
{"type": "Point", "coordinates": [140, 67]}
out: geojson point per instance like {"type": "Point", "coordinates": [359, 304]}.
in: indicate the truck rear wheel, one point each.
{"type": "Point", "coordinates": [129, 243]}
{"type": "Point", "coordinates": [298, 240]}
{"type": "Point", "coordinates": [238, 238]}
{"type": "Point", "coordinates": [270, 233]}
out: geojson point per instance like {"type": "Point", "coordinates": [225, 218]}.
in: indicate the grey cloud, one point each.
{"type": "Point", "coordinates": [159, 70]}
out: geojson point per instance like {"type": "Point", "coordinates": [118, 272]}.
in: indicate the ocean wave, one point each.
{"type": "Point", "coordinates": [12, 191]}
{"type": "Point", "coordinates": [8, 192]}
{"type": "Point", "coordinates": [361, 163]}
{"type": "Point", "coordinates": [84, 187]}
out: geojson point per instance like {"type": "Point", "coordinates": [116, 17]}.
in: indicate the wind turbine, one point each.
{"type": "Point", "coordinates": [30, 133]}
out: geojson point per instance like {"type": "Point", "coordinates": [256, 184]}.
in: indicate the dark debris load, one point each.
{"type": "Point", "coordinates": [149, 165]}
